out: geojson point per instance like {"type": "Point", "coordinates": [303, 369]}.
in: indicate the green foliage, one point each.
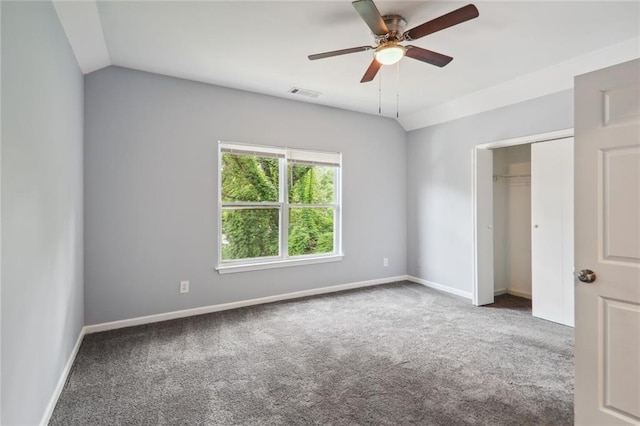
{"type": "Point", "coordinates": [310, 184]}
{"type": "Point", "coordinates": [310, 228]}
{"type": "Point", "coordinates": [310, 231]}
{"type": "Point", "coordinates": [251, 232]}
{"type": "Point", "coordinates": [248, 178]}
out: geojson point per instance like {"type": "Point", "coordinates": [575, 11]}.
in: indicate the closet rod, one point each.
{"type": "Point", "coordinates": [511, 176]}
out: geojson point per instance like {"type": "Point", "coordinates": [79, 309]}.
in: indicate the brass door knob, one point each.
{"type": "Point", "coordinates": [587, 276]}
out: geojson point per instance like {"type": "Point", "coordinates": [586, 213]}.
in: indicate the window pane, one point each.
{"type": "Point", "coordinates": [310, 184]}
{"type": "Point", "coordinates": [249, 178]}
{"type": "Point", "coordinates": [250, 233]}
{"type": "Point", "coordinates": [310, 231]}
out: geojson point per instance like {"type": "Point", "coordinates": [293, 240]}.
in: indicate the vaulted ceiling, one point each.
{"type": "Point", "coordinates": [515, 50]}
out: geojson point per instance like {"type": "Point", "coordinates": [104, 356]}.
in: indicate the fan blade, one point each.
{"type": "Point", "coordinates": [371, 72]}
{"type": "Point", "coordinates": [339, 52]}
{"type": "Point", "coordinates": [428, 56]}
{"type": "Point", "coordinates": [369, 13]}
{"type": "Point", "coordinates": [458, 16]}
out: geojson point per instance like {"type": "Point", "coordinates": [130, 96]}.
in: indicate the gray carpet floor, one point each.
{"type": "Point", "coordinates": [388, 355]}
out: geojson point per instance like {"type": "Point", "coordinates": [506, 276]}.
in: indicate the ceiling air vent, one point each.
{"type": "Point", "coordinates": [304, 92]}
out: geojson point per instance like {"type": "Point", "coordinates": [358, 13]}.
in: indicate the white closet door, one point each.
{"type": "Point", "coordinates": [483, 218]}
{"type": "Point", "coordinates": [552, 230]}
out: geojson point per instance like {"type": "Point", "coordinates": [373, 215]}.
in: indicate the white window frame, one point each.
{"type": "Point", "coordinates": [284, 155]}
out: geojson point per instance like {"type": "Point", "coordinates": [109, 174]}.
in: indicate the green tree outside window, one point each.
{"type": "Point", "coordinates": [252, 211]}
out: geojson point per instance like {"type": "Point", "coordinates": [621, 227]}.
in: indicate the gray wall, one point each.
{"type": "Point", "coordinates": [439, 208]}
{"type": "Point", "coordinates": [150, 191]}
{"type": "Point", "coordinates": [42, 241]}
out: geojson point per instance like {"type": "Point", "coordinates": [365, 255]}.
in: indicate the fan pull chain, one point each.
{"type": "Point", "coordinates": [398, 90]}
{"type": "Point", "coordinates": [380, 93]}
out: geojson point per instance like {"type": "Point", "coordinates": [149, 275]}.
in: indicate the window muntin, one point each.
{"type": "Point", "coordinates": [277, 205]}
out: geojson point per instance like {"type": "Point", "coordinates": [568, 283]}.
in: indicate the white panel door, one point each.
{"type": "Point", "coordinates": [552, 230]}
{"type": "Point", "coordinates": [483, 217]}
{"type": "Point", "coordinates": [607, 241]}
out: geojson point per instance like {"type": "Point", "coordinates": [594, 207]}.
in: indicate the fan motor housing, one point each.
{"type": "Point", "coordinates": [396, 25]}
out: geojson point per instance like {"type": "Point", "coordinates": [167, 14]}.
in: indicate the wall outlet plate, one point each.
{"type": "Point", "coordinates": [385, 261]}
{"type": "Point", "coordinates": [184, 287]}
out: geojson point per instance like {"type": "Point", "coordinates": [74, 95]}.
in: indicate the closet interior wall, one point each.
{"type": "Point", "coordinates": [512, 220]}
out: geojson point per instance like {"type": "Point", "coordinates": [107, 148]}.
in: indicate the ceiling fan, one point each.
{"type": "Point", "coordinates": [388, 32]}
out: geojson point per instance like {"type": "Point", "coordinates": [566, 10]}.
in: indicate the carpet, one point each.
{"type": "Point", "coordinates": [392, 354]}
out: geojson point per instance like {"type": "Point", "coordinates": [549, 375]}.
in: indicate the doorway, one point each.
{"type": "Point", "coordinates": [511, 253]}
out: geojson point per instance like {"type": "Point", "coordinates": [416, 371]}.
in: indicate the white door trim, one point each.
{"type": "Point", "coordinates": [482, 195]}
{"type": "Point", "coordinates": [540, 137]}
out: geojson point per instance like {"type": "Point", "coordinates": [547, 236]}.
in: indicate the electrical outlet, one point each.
{"type": "Point", "coordinates": [184, 286]}
{"type": "Point", "coordinates": [385, 262]}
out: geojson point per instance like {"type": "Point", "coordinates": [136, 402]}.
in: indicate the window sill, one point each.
{"type": "Point", "coordinates": [245, 267]}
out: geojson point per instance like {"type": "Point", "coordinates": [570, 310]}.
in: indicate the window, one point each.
{"type": "Point", "coordinates": [277, 207]}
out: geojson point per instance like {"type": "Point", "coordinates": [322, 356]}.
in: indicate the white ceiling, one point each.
{"type": "Point", "coordinates": [513, 51]}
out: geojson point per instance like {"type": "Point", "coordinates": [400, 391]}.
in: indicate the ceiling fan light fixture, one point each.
{"type": "Point", "coordinates": [390, 54]}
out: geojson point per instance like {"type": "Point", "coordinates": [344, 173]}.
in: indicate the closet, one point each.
{"type": "Point", "coordinates": [512, 220]}
{"type": "Point", "coordinates": [533, 226]}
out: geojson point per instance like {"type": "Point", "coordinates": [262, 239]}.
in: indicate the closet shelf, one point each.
{"type": "Point", "coordinates": [511, 176]}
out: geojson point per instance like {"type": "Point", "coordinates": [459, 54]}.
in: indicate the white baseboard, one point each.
{"type": "Point", "coordinates": [234, 305]}
{"type": "Point", "coordinates": [440, 287]}
{"type": "Point", "coordinates": [501, 291]}
{"type": "Point", "coordinates": [519, 293]}
{"type": "Point", "coordinates": [62, 380]}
